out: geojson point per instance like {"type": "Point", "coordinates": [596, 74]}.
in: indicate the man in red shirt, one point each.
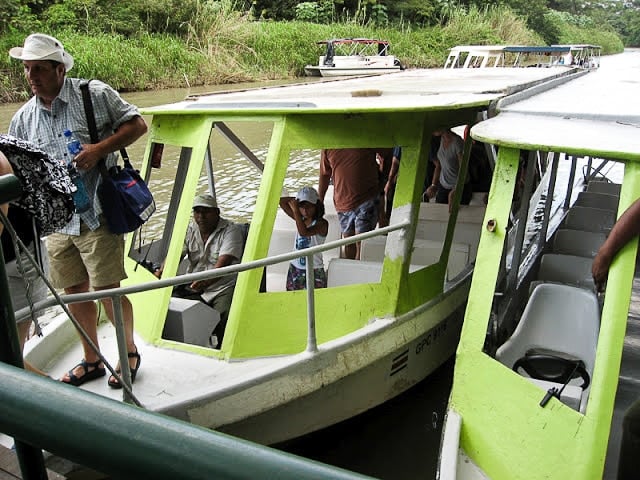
{"type": "Point", "coordinates": [356, 190]}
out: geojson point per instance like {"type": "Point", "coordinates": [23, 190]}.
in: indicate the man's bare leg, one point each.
{"type": "Point", "coordinates": [350, 251]}
{"type": "Point", "coordinates": [86, 314]}
{"type": "Point", "coordinates": [127, 318]}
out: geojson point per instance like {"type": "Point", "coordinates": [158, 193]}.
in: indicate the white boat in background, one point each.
{"type": "Point", "coordinates": [296, 361]}
{"type": "Point", "coordinates": [539, 388]}
{"type": "Point", "coordinates": [354, 56]}
{"type": "Point", "coordinates": [475, 56]}
{"type": "Point", "coordinates": [489, 56]}
{"type": "Point", "coordinates": [584, 55]}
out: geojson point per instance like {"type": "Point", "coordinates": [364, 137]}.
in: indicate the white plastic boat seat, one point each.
{"type": "Point", "coordinates": [433, 219]}
{"type": "Point", "coordinates": [425, 252]}
{"type": "Point", "coordinates": [604, 187]}
{"type": "Point", "coordinates": [605, 201]}
{"type": "Point", "coordinates": [569, 269]}
{"type": "Point", "coordinates": [190, 321]}
{"type": "Point", "coordinates": [344, 271]}
{"type": "Point", "coordinates": [578, 242]}
{"type": "Point", "coordinates": [589, 219]}
{"type": "Point", "coordinates": [282, 241]}
{"type": "Point", "coordinates": [558, 318]}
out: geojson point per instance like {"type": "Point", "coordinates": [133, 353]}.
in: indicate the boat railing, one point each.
{"type": "Point", "coordinates": [102, 438]}
{"type": "Point", "coordinates": [116, 294]}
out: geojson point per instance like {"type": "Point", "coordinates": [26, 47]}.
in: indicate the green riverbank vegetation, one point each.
{"type": "Point", "coordinates": [154, 44]}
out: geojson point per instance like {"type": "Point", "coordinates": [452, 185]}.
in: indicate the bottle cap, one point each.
{"type": "Point", "coordinates": [67, 133]}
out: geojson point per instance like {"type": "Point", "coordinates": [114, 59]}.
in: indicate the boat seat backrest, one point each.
{"type": "Point", "coordinates": [604, 187]}
{"type": "Point", "coordinates": [425, 252]}
{"type": "Point", "coordinates": [344, 271]}
{"type": "Point", "coordinates": [569, 269]}
{"type": "Point", "coordinates": [589, 219]}
{"type": "Point", "coordinates": [578, 242]}
{"type": "Point", "coordinates": [560, 318]}
{"type": "Point", "coordinates": [433, 219]}
{"type": "Point", "coordinates": [604, 201]}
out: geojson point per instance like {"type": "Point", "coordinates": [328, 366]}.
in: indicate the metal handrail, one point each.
{"type": "Point", "coordinates": [124, 441]}
{"type": "Point", "coordinates": [214, 273]}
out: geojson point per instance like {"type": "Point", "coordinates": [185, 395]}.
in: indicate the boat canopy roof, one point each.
{"type": "Point", "coordinates": [409, 90]}
{"type": "Point", "coordinates": [582, 46]}
{"type": "Point", "coordinates": [597, 114]}
{"type": "Point", "coordinates": [477, 48]}
{"type": "Point", "coordinates": [557, 49]}
{"type": "Point", "coordinates": [363, 41]}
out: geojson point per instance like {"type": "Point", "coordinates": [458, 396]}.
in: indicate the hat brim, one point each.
{"type": "Point", "coordinates": [64, 58]}
{"type": "Point", "coordinates": [204, 205]}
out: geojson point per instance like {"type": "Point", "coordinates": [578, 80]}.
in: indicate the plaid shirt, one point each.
{"type": "Point", "coordinates": [45, 129]}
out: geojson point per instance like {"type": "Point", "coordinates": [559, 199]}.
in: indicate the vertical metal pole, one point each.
{"type": "Point", "coordinates": [522, 222]}
{"type": "Point", "coordinates": [572, 178]}
{"type": "Point", "coordinates": [312, 341]}
{"type": "Point", "coordinates": [123, 353]}
{"type": "Point", "coordinates": [30, 458]}
{"type": "Point", "coordinates": [542, 238]}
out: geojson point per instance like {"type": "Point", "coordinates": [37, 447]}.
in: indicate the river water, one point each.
{"type": "Point", "coordinates": [398, 440]}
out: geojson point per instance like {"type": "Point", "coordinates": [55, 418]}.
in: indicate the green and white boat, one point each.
{"type": "Point", "coordinates": [536, 380]}
{"type": "Point", "coordinates": [295, 362]}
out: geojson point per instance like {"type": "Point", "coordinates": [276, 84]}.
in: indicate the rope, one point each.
{"type": "Point", "coordinates": [19, 246]}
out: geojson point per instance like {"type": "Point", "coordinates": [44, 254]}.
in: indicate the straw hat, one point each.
{"type": "Point", "coordinates": [39, 46]}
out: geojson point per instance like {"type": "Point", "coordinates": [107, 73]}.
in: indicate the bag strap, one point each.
{"type": "Point", "coordinates": [93, 129]}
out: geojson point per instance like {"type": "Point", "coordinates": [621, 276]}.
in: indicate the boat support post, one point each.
{"type": "Point", "coordinates": [312, 340]}
{"type": "Point", "coordinates": [30, 458]}
{"type": "Point", "coordinates": [123, 352]}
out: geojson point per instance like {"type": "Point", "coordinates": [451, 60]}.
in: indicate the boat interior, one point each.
{"type": "Point", "coordinates": [557, 319]}
{"type": "Point", "coordinates": [191, 322]}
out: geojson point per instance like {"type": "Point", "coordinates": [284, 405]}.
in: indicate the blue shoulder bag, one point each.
{"type": "Point", "coordinates": [126, 200]}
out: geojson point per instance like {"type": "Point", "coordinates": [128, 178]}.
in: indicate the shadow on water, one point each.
{"type": "Point", "coordinates": [397, 440]}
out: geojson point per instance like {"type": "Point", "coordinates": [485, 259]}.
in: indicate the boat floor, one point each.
{"type": "Point", "coordinates": [629, 382]}
{"type": "Point", "coordinates": [166, 376]}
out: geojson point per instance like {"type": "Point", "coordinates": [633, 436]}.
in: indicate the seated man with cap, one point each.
{"type": "Point", "coordinates": [211, 242]}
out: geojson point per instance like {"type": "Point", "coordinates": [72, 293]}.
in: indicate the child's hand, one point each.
{"type": "Point", "coordinates": [293, 204]}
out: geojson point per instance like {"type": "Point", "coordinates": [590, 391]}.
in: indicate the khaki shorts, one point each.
{"type": "Point", "coordinates": [96, 255]}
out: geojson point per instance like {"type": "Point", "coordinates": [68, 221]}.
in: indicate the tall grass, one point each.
{"type": "Point", "coordinates": [226, 46]}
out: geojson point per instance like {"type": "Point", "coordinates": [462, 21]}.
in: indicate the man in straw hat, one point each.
{"type": "Point", "coordinates": [82, 253]}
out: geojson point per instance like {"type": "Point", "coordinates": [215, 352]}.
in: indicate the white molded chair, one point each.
{"type": "Point", "coordinates": [589, 219]}
{"type": "Point", "coordinates": [605, 201]}
{"type": "Point", "coordinates": [578, 242]}
{"type": "Point", "coordinates": [557, 318]}
{"type": "Point", "coordinates": [569, 269]}
{"type": "Point", "coordinates": [604, 187]}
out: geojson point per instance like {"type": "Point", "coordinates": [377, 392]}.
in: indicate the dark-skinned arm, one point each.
{"type": "Point", "coordinates": [626, 228]}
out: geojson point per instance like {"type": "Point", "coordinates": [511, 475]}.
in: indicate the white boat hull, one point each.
{"type": "Point", "coordinates": [315, 71]}
{"type": "Point", "coordinates": [271, 400]}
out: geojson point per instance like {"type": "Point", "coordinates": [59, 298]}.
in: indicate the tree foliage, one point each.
{"type": "Point", "coordinates": [175, 17]}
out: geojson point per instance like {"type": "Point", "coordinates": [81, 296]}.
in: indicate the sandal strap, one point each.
{"type": "Point", "coordinates": [86, 364]}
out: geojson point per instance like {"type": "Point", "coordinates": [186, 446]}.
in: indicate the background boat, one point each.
{"type": "Point", "coordinates": [354, 56]}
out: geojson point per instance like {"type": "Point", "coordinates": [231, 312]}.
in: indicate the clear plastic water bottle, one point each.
{"type": "Point", "coordinates": [80, 197]}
